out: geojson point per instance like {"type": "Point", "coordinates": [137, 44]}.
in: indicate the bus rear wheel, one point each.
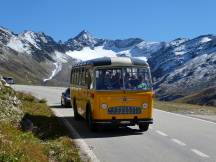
{"type": "Point", "coordinates": [91, 124]}
{"type": "Point", "coordinates": [143, 127]}
{"type": "Point", "coordinates": [76, 114]}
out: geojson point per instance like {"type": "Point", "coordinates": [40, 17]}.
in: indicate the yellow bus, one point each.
{"type": "Point", "coordinates": [112, 91]}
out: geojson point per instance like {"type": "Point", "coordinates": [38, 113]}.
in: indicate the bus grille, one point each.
{"type": "Point", "coordinates": [124, 110]}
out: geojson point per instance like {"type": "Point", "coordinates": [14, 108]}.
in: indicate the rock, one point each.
{"type": "Point", "coordinates": [9, 105]}
{"type": "Point", "coordinates": [27, 125]}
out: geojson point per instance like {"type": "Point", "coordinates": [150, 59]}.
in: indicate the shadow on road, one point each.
{"type": "Point", "coordinates": [102, 132]}
{"type": "Point", "coordinates": [52, 127]}
{"type": "Point", "coordinates": [60, 107]}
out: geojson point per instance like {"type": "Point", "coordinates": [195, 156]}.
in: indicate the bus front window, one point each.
{"type": "Point", "coordinates": [109, 79]}
{"type": "Point", "coordinates": [137, 78]}
{"type": "Point", "coordinates": [130, 78]}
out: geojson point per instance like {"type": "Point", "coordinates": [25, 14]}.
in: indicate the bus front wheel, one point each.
{"type": "Point", "coordinates": [90, 123]}
{"type": "Point", "coordinates": [143, 127]}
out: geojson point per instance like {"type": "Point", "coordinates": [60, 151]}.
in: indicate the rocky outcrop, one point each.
{"type": "Point", "coordinates": [9, 104]}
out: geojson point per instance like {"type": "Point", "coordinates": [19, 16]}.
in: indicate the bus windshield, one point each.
{"type": "Point", "coordinates": [128, 78]}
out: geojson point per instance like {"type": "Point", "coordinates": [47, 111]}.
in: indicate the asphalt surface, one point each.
{"type": "Point", "coordinates": [172, 137]}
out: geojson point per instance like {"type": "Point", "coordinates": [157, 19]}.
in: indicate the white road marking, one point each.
{"type": "Point", "coordinates": [161, 133]}
{"type": "Point", "coordinates": [83, 147]}
{"type": "Point", "coordinates": [178, 142]}
{"type": "Point", "coordinates": [150, 127]}
{"type": "Point", "coordinates": [180, 115]}
{"type": "Point", "coordinates": [199, 153]}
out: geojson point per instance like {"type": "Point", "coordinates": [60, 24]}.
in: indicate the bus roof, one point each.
{"type": "Point", "coordinates": [115, 61]}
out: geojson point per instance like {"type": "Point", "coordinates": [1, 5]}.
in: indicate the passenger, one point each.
{"type": "Point", "coordinates": [116, 81]}
{"type": "Point", "coordinates": [108, 81]}
{"type": "Point", "coordinates": [100, 81]}
{"type": "Point", "coordinates": [127, 81]}
{"type": "Point", "coordinates": [134, 82]}
{"type": "Point", "coordinates": [142, 83]}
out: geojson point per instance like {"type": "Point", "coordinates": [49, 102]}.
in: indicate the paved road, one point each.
{"type": "Point", "coordinates": [172, 138]}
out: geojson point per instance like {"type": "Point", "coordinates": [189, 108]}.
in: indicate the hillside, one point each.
{"type": "Point", "coordinates": [29, 131]}
{"type": "Point", "coordinates": [32, 58]}
{"type": "Point", "coordinates": [204, 97]}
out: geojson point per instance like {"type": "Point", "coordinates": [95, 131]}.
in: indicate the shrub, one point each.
{"type": "Point", "coordinates": [43, 101]}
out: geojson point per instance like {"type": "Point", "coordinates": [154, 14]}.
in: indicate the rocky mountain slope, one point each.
{"type": "Point", "coordinates": [203, 97]}
{"type": "Point", "coordinates": [32, 58]}
{"type": "Point", "coordinates": [179, 68]}
{"type": "Point", "coordinates": [185, 68]}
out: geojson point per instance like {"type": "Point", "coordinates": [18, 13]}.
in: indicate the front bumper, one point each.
{"type": "Point", "coordinates": [125, 122]}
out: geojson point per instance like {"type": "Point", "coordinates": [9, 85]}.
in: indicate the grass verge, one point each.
{"type": "Point", "coordinates": [48, 141]}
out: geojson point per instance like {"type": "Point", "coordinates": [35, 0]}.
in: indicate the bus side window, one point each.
{"type": "Point", "coordinates": [71, 77]}
{"type": "Point", "coordinates": [83, 77]}
{"type": "Point", "coordinates": [79, 76]}
{"type": "Point", "coordinates": [88, 78]}
{"type": "Point", "coordinates": [76, 78]}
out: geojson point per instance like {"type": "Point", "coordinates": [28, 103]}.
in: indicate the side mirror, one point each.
{"type": "Point", "coordinates": [153, 94]}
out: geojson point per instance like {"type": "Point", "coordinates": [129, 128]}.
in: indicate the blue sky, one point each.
{"type": "Point", "coordinates": [153, 20]}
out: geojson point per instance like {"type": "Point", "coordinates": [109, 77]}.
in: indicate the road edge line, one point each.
{"type": "Point", "coordinates": [181, 115]}
{"type": "Point", "coordinates": [86, 154]}
{"type": "Point", "coordinates": [83, 147]}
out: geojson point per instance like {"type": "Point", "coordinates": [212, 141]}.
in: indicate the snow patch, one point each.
{"type": "Point", "coordinates": [180, 50]}
{"type": "Point", "coordinates": [61, 57]}
{"type": "Point", "coordinates": [44, 39]}
{"type": "Point", "coordinates": [178, 53]}
{"type": "Point", "coordinates": [150, 46]}
{"type": "Point", "coordinates": [88, 53]}
{"type": "Point", "coordinates": [126, 52]}
{"type": "Point", "coordinates": [17, 45]}
{"type": "Point", "coordinates": [146, 49]}
{"type": "Point", "coordinates": [5, 30]}
{"type": "Point", "coordinates": [142, 58]}
{"type": "Point", "coordinates": [178, 41]}
{"type": "Point", "coordinates": [31, 37]}
{"type": "Point", "coordinates": [58, 67]}
{"type": "Point", "coordinates": [205, 39]}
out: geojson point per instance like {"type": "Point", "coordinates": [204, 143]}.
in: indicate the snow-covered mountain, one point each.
{"type": "Point", "coordinates": [184, 68]}
{"type": "Point", "coordinates": [179, 67]}
{"type": "Point", "coordinates": [82, 40]}
{"type": "Point", "coordinates": [85, 46]}
{"type": "Point", "coordinates": [48, 55]}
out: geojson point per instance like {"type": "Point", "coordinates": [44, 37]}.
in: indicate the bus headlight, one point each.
{"type": "Point", "coordinates": [145, 105]}
{"type": "Point", "coordinates": [104, 106]}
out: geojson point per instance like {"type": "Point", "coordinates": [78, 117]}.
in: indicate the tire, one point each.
{"type": "Point", "coordinates": [62, 103]}
{"type": "Point", "coordinates": [143, 127]}
{"type": "Point", "coordinates": [76, 114]}
{"type": "Point", "coordinates": [68, 105]}
{"type": "Point", "coordinates": [92, 126]}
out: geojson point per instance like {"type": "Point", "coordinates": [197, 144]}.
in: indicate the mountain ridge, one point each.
{"type": "Point", "coordinates": [186, 63]}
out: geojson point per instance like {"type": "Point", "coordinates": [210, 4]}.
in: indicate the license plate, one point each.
{"type": "Point", "coordinates": [125, 122]}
